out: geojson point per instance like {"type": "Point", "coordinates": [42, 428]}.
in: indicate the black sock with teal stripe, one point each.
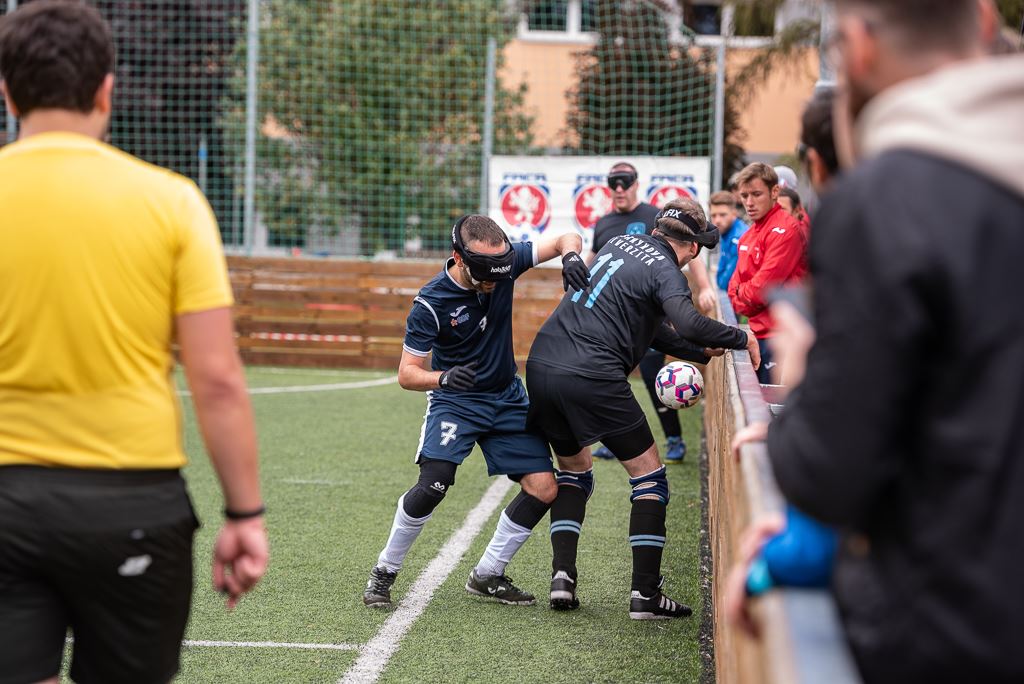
{"type": "Point", "coordinates": [567, 513]}
{"type": "Point", "coordinates": [647, 539]}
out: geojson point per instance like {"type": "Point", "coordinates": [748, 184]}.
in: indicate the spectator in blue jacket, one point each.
{"type": "Point", "coordinates": [731, 226]}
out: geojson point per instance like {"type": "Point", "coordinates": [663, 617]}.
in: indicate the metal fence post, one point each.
{"type": "Point", "coordinates": [488, 130]}
{"type": "Point", "coordinates": [716, 179]}
{"type": "Point", "coordinates": [252, 59]}
{"type": "Point", "coordinates": [12, 123]}
{"type": "Point", "coordinates": [203, 160]}
{"type": "Point", "coordinates": [826, 74]}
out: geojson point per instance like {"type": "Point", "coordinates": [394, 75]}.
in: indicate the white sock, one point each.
{"type": "Point", "coordinates": [508, 538]}
{"type": "Point", "coordinates": [404, 531]}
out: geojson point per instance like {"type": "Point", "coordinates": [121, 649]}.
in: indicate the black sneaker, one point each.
{"type": "Point", "coordinates": [378, 588]}
{"type": "Point", "coordinates": [657, 607]}
{"type": "Point", "coordinates": [563, 591]}
{"type": "Point", "coordinates": [499, 588]}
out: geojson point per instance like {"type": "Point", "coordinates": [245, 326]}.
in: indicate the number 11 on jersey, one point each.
{"type": "Point", "coordinates": [596, 291]}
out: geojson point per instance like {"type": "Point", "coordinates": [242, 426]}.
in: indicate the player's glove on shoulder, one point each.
{"type": "Point", "coordinates": [574, 272]}
{"type": "Point", "coordinates": [458, 378]}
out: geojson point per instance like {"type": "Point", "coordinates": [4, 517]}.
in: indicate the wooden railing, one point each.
{"type": "Point", "coordinates": [802, 640]}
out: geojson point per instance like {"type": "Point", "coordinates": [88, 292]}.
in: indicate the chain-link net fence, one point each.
{"type": "Point", "coordinates": [370, 132]}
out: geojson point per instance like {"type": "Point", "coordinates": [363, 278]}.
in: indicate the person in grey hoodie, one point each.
{"type": "Point", "coordinates": [907, 432]}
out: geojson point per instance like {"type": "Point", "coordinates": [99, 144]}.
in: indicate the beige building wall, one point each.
{"type": "Point", "coordinates": [549, 71]}
{"type": "Point", "coordinates": [771, 118]}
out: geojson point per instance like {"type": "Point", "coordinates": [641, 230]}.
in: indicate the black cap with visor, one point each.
{"type": "Point", "coordinates": [706, 236]}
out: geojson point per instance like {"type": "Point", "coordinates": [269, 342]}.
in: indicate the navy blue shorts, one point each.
{"type": "Point", "coordinates": [455, 421]}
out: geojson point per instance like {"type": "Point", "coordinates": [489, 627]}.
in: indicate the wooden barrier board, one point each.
{"type": "Point", "coordinates": [351, 314]}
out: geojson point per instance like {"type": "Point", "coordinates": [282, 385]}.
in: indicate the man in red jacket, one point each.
{"type": "Point", "coordinates": [773, 252]}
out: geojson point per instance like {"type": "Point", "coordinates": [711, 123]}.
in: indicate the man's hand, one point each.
{"type": "Point", "coordinates": [736, 601]}
{"type": "Point", "coordinates": [754, 350]}
{"type": "Point", "coordinates": [755, 432]}
{"type": "Point", "coordinates": [706, 302]}
{"type": "Point", "coordinates": [791, 343]}
{"type": "Point", "coordinates": [240, 557]}
{"type": "Point", "coordinates": [458, 378]}
{"type": "Point", "coordinates": [574, 272]}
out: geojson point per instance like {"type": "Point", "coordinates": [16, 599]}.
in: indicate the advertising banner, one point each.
{"type": "Point", "coordinates": [528, 196]}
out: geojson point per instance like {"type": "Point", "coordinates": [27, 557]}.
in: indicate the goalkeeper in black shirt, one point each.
{"type": "Point", "coordinates": [577, 378]}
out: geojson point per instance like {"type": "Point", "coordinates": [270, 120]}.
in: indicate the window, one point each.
{"type": "Point", "coordinates": [588, 16]}
{"type": "Point", "coordinates": [705, 20]}
{"type": "Point", "coordinates": [559, 20]}
{"type": "Point", "coordinates": [548, 16]}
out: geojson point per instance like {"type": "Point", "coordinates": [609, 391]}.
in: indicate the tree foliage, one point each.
{"type": "Point", "coordinates": [639, 93]}
{"type": "Point", "coordinates": [172, 70]}
{"type": "Point", "coordinates": [173, 58]}
{"type": "Point", "coordinates": [371, 116]}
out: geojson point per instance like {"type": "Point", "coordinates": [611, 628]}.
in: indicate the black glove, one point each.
{"type": "Point", "coordinates": [458, 378]}
{"type": "Point", "coordinates": [574, 272]}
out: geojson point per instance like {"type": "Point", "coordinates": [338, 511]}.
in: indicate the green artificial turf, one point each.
{"type": "Point", "coordinates": [333, 466]}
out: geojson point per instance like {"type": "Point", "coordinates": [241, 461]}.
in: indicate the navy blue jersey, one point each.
{"type": "Point", "coordinates": [604, 332]}
{"type": "Point", "coordinates": [460, 326]}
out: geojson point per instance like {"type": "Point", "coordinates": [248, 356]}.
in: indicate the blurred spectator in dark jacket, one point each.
{"type": "Point", "coordinates": [906, 431]}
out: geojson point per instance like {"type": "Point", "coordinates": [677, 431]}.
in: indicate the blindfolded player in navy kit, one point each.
{"type": "Point", "coordinates": [580, 394]}
{"type": "Point", "coordinates": [462, 319]}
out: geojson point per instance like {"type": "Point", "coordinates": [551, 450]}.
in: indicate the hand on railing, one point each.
{"type": "Point", "coordinates": [755, 432]}
{"type": "Point", "coordinates": [754, 350]}
{"type": "Point", "coordinates": [737, 599]}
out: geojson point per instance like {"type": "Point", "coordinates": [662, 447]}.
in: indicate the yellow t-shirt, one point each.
{"type": "Point", "coordinates": [98, 253]}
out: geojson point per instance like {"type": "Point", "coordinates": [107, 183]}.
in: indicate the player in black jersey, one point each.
{"type": "Point", "coordinates": [577, 375]}
{"type": "Point", "coordinates": [462, 321]}
{"type": "Point", "coordinates": [630, 216]}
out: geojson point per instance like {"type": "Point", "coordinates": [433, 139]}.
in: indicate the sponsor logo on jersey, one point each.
{"type": "Point", "coordinates": [525, 202]}
{"type": "Point", "coordinates": [591, 199]}
{"type": "Point", "coordinates": [781, 231]}
{"type": "Point", "coordinates": [458, 316]}
{"type": "Point", "coordinates": [636, 228]}
{"type": "Point", "coordinates": [134, 566]}
{"type": "Point", "coordinates": [665, 188]}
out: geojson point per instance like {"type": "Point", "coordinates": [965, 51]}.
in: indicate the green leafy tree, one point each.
{"type": "Point", "coordinates": [788, 46]}
{"type": "Point", "coordinates": [173, 60]}
{"type": "Point", "coordinates": [371, 116]}
{"type": "Point", "coordinates": [640, 94]}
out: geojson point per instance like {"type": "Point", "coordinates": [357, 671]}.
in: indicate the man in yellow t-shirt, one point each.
{"type": "Point", "coordinates": [105, 261]}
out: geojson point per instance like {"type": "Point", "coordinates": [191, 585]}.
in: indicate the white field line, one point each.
{"type": "Point", "coordinates": [375, 654]}
{"type": "Point", "coordinates": [274, 370]}
{"type": "Point", "coordinates": [271, 644]}
{"type": "Point", "coordinates": [326, 483]}
{"type": "Point", "coordinates": [314, 388]}
{"type": "Point", "coordinates": [261, 644]}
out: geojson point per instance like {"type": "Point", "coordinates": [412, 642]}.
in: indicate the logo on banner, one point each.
{"type": "Point", "coordinates": [525, 202]}
{"type": "Point", "coordinates": [591, 200]}
{"type": "Point", "coordinates": [664, 189]}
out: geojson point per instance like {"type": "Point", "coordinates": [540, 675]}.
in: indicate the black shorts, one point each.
{"type": "Point", "coordinates": [107, 554]}
{"type": "Point", "coordinates": [573, 411]}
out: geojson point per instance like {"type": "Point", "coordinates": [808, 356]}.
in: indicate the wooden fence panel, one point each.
{"type": "Point", "coordinates": [351, 314]}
